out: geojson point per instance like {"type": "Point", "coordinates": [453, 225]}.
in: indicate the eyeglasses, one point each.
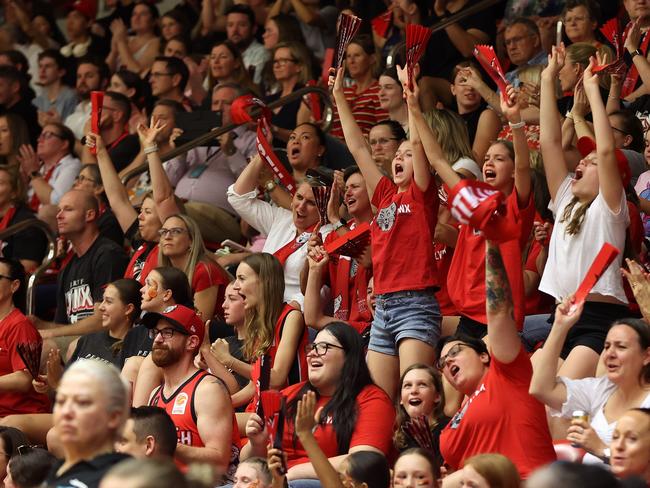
{"type": "Point", "coordinates": [82, 178]}
{"type": "Point", "coordinates": [25, 449]}
{"type": "Point", "coordinates": [320, 348]}
{"type": "Point", "coordinates": [283, 61]}
{"type": "Point", "coordinates": [577, 18]}
{"type": "Point", "coordinates": [158, 75]}
{"type": "Point", "coordinates": [620, 130]}
{"type": "Point", "coordinates": [173, 232]}
{"type": "Point", "coordinates": [515, 40]}
{"type": "Point", "coordinates": [49, 135]}
{"type": "Point", "coordinates": [453, 352]}
{"type": "Point", "coordinates": [7, 277]}
{"type": "Point", "coordinates": [167, 333]}
{"type": "Point", "coordinates": [382, 141]}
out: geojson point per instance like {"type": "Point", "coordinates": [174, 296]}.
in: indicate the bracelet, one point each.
{"type": "Point", "coordinates": [151, 149]}
{"type": "Point", "coordinates": [613, 98]}
{"type": "Point", "coordinates": [519, 125]}
{"type": "Point", "coordinates": [569, 115]}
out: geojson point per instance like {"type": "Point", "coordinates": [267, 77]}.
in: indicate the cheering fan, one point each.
{"type": "Point", "coordinates": [417, 37]}
{"type": "Point", "coordinates": [348, 28]}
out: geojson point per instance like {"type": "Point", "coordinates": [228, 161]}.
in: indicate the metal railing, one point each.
{"type": "Point", "coordinates": [255, 111]}
{"type": "Point", "coordinates": [51, 254]}
{"type": "Point", "coordinates": [452, 19]}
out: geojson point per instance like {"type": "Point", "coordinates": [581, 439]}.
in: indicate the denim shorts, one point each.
{"type": "Point", "coordinates": [401, 315]}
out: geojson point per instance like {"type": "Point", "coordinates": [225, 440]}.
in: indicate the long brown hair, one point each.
{"type": "Point", "coordinates": [260, 322]}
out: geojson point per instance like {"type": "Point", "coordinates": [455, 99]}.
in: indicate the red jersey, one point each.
{"type": "Point", "coordinates": [466, 279]}
{"type": "Point", "coordinates": [348, 281]}
{"type": "Point", "coordinates": [373, 426]}
{"type": "Point", "coordinates": [365, 109]}
{"type": "Point", "coordinates": [501, 417]}
{"type": "Point", "coordinates": [402, 237]}
{"type": "Point", "coordinates": [15, 328]}
{"type": "Point", "coordinates": [298, 371]}
{"type": "Point", "coordinates": [139, 259]}
{"type": "Point", "coordinates": [180, 407]}
{"type": "Point", "coordinates": [537, 302]}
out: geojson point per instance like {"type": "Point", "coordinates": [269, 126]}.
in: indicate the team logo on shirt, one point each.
{"type": "Point", "coordinates": [386, 217]}
{"type": "Point", "coordinates": [180, 404]}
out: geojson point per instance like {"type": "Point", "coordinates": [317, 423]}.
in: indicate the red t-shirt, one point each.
{"type": "Point", "coordinates": [348, 280]}
{"type": "Point", "coordinates": [443, 255]}
{"type": "Point", "coordinates": [501, 417]}
{"type": "Point", "coordinates": [402, 237]}
{"type": "Point", "coordinates": [136, 265]}
{"type": "Point", "coordinates": [374, 426]}
{"type": "Point", "coordinates": [15, 328]}
{"type": "Point", "coordinates": [365, 109]}
{"type": "Point", "coordinates": [466, 279]}
{"type": "Point", "coordinates": [537, 302]}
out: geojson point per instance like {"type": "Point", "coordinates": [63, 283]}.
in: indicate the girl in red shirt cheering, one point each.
{"type": "Point", "coordinates": [407, 316]}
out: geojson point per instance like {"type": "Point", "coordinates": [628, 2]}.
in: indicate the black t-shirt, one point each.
{"type": "Point", "coordinates": [471, 121]}
{"type": "Point", "coordinates": [98, 345]}
{"type": "Point", "coordinates": [109, 227]}
{"type": "Point", "coordinates": [28, 244]}
{"type": "Point", "coordinates": [136, 343]}
{"type": "Point", "coordinates": [81, 283]}
{"type": "Point", "coordinates": [86, 474]}
{"type": "Point", "coordinates": [235, 347]}
{"type": "Point", "coordinates": [124, 152]}
{"type": "Point", "coordinates": [441, 55]}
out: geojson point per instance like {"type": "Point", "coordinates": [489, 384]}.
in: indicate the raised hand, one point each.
{"type": "Point", "coordinates": [633, 36]}
{"type": "Point", "coordinates": [639, 280]}
{"type": "Point", "coordinates": [148, 135]}
{"type": "Point", "coordinates": [590, 79]}
{"type": "Point", "coordinates": [334, 203]}
{"type": "Point", "coordinates": [306, 415]}
{"type": "Point", "coordinates": [555, 62]}
{"type": "Point", "coordinates": [567, 313]}
{"type": "Point", "coordinates": [96, 141]}
{"type": "Point", "coordinates": [28, 159]}
{"type": "Point", "coordinates": [580, 103]}
{"type": "Point", "coordinates": [509, 105]}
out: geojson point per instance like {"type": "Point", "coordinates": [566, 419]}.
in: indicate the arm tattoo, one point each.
{"type": "Point", "coordinates": [497, 287]}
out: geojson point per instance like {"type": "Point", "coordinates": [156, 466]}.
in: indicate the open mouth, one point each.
{"type": "Point", "coordinates": [454, 371]}
{"type": "Point", "coordinates": [399, 169]}
{"type": "Point", "coordinates": [415, 402]}
{"type": "Point", "coordinates": [350, 201]}
{"type": "Point", "coordinates": [489, 174]}
{"type": "Point", "coordinates": [294, 151]}
{"type": "Point", "coordinates": [578, 174]}
{"type": "Point", "coordinates": [315, 363]}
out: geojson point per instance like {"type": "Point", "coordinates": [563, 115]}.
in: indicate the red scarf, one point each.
{"type": "Point", "coordinates": [292, 246]}
{"type": "Point", "coordinates": [6, 218]}
{"type": "Point", "coordinates": [633, 74]}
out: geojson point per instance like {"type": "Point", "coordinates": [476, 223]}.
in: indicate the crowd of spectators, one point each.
{"type": "Point", "coordinates": [193, 322]}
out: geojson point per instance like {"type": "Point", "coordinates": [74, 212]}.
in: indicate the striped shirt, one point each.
{"type": "Point", "coordinates": [365, 108]}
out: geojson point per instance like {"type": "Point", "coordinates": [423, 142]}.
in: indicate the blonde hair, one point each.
{"type": "Point", "coordinates": [301, 56]}
{"type": "Point", "coordinates": [497, 470]}
{"type": "Point", "coordinates": [575, 219]}
{"type": "Point", "coordinates": [260, 322]}
{"type": "Point", "coordinates": [197, 251]}
{"type": "Point", "coordinates": [531, 74]}
{"type": "Point", "coordinates": [451, 132]}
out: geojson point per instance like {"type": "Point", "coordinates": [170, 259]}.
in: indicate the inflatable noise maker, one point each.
{"type": "Point", "coordinates": [30, 353]}
{"type": "Point", "coordinates": [417, 37]}
{"type": "Point", "coordinates": [96, 104]}
{"type": "Point", "coordinates": [239, 111]}
{"type": "Point", "coordinates": [487, 57]}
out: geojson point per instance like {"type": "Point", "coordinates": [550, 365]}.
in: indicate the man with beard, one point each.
{"type": "Point", "coordinates": [240, 30]}
{"type": "Point", "coordinates": [92, 74]}
{"type": "Point", "coordinates": [198, 403]}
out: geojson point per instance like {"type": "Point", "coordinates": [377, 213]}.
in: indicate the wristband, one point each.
{"type": "Point", "coordinates": [518, 125]}
{"type": "Point", "coordinates": [151, 149]}
{"type": "Point", "coordinates": [568, 115]}
{"type": "Point", "coordinates": [34, 174]}
{"type": "Point", "coordinates": [339, 224]}
{"type": "Point", "coordinates": [636, 52]}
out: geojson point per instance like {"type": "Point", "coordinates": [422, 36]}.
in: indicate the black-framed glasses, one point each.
{"type": "Point", "coordinates": [320, 348]}
{"type": "Point", "coordinates": [167, 333]}
{"type": "Point", "coordinates": [7, 277]}
{"type": "Point", "coordinates": [173, 231]}
{"type": "Point", "coordinates": [49, 135]}
{"type": "Point", "coordinates": [25, 449]}
{"type": "Point", "coordinates": [451, 354]}
{"type": "Point", "coordinates": [283, 61]}
{"type": "Point", "coordinates": [620, 130]}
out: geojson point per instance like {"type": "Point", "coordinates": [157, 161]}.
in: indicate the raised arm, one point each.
{"type": "Point", "coordinates": [354, 138]}
{"type": "Point", "coordinates": [313, 306]}
{"type": "Point", "coordinates": [163, 192]}
{"type": "Point", "coordinates": [432, 149]}
{"type": "Point", "coordinates": [511, 111]}
{"type": "Point", "coordinates": [550, 136]}
{"type": "Point", "coordinates": [505, 344]}
{"type": "Point", "coordinates": [116, 193]}
{"type": "Point", "coordinates": [544, 385]}
{"type": "Point", "coordinates": [609, 176]}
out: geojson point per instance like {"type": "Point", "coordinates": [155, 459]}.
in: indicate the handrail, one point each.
{"type": "Point", "coordinates": [51, 254]}
{"type": "Point", "coordinates": [204, 138]}
{"type": "Point", "coordinates": [452, 19]}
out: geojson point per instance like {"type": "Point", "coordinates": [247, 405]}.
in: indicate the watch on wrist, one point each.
{"type": "Point", "coordinates": [607, 453]}
{"type": "Point", "coordinates": [34, 174]}
{"type": "Point", "coordinates": [636, 52]}
{"type": "Point", "coordinates": [270, 185]}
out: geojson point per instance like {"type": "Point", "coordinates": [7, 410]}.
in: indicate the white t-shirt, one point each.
{"type": "Point", "coordinates": [570, 256]}
{"type": "Point", "coordinates": [277, 224]}
{"type": "Point", "coordinates": [591, 395]}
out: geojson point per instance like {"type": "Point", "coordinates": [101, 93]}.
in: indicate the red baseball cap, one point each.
{"type": "Point", "coordinates": [181, 318]}
{"type": "Point", "coordinates": [586, 145]}
{"type": "Point", "coordinates": [87, 8]}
